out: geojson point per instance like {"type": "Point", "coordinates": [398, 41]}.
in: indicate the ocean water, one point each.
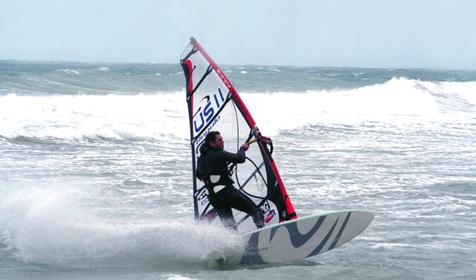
{"type": "Point", "coordinates": [96, 171]}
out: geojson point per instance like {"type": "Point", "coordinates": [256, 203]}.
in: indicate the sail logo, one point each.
{"type": "Point", "coordinates": [210, 105]}
{"type": "Point", "coordinates": [202, 198]}
{"type": "Point", "coordinates": [269, 216]}
{"type": "Point", "coordinates": [268, 212]}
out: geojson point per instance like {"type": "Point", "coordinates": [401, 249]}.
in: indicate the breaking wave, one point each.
{"type": "Point", "coordinates": [155, 116]}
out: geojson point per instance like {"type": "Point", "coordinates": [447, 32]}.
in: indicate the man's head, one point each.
{"type": "Point", "coordinates": [214, 140]}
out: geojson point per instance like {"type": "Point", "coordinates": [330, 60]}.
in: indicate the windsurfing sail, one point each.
{"type": "Point", "coordinates": [214, 105]}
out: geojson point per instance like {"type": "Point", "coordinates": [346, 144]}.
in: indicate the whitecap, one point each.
{"type": "Point", "coordinates": [70, 71]}
{"type": "Point", "coordinates": [102, 69]}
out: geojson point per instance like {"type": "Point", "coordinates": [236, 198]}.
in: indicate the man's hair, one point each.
{"type": "Point", "coordinates": [211, 137]}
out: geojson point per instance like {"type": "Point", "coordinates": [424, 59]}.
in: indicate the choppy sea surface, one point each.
{"type": "Point", "coordinates": [95, 170]}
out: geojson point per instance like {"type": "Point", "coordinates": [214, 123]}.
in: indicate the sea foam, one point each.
{"type": "Point", "coordinates": [399, 101]}
{"type": "Point", "coordinates": [52, 225]}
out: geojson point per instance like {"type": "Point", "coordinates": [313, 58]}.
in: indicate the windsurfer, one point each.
{"type": "Point", "coordinates": [213, 171]}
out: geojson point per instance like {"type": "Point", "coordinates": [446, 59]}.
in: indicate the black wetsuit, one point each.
{"type": "Point", "coordinates": [213, 168]}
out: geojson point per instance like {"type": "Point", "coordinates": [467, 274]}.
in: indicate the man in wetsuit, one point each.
{"type": "Point", "coordinates": [213, 171]}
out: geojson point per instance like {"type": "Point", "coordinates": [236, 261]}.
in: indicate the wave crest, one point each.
{"type": "Point", "coordinates": [160, 115]}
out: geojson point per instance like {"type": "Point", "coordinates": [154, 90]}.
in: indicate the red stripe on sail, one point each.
{"type": "Point", "coordinates": [188, 62]}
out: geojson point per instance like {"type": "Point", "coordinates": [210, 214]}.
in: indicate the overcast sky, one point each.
{"type": "Point", "coordinates": [365, 33]}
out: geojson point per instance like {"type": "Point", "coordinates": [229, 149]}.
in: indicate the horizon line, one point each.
{"type": "Point", "coordinates": [34, 61]}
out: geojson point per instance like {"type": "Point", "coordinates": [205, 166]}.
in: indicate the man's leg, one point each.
{"type": "Point", "coordinates": [226, 218]}
{"type": "Point", "coordinates": [243, 203]}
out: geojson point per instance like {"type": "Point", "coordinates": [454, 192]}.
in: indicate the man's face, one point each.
{"type": "Point", "coordinates": [218, 143]}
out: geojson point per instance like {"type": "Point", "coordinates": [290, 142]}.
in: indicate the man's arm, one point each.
{"type": "Point", "coordinates": [239, 157]}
